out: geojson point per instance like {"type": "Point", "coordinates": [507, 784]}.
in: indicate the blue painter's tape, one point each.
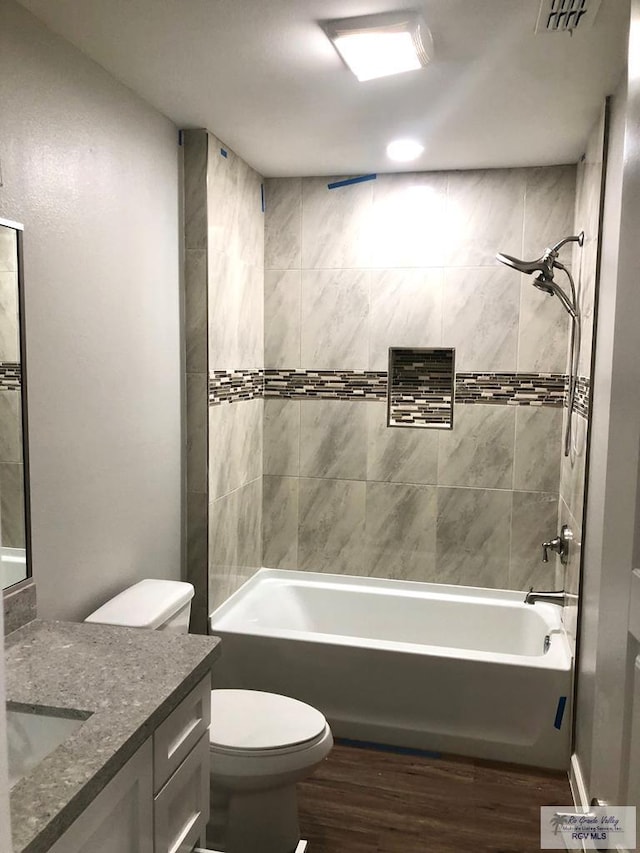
{"type": "Point", "coordinates": [562, 704]}
{"type": "Point", "coordinates": [384, 747]}
{"type": "Point", "coordinates": [224, 152]}
{"type": "Point", "coordinates": [348, 181]}
{"type": "Point", "coordinates": [262, 196]}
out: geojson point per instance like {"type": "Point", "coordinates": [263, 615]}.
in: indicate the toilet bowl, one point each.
{"type": "Point", "coordinates": [261, 744]}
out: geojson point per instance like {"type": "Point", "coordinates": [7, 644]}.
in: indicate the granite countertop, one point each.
{"type": "Point", "coordinates": [128, 679]}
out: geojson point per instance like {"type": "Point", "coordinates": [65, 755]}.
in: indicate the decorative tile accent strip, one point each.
{"type": "Point", "coordinates": [230, 386]}
{"type": "Point", "coordinates": [10, 376]}
{"type": "Point", "coordinates": [513, 389]}
{"type": "Point", "coordinates": [421, 388]}
{"type": "Point", "coordinates": [503, 389]}
{"type": "Point", "coordinates": [583, 388]}
{"type": "Point", "coordinates": [326, 384]}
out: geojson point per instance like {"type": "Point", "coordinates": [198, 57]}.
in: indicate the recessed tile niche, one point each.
{"type": "Point", "coordinates": [420, 392]}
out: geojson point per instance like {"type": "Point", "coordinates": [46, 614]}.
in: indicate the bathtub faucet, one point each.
{"type": "Point", "coordinates": [553, 597]}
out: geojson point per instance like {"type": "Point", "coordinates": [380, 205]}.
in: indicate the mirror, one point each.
{"type": "Point", "coordinates": [14, 493]}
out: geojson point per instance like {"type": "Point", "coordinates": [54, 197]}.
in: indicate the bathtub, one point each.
{"type": "Point", "coordinates": [450, 669]}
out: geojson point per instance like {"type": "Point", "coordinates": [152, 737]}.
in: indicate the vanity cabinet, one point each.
{"type": "Point", "coordinates": [159, 801]}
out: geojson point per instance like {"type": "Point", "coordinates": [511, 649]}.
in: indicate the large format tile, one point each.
{"type": "Point", "coordinates": [249, 531]}
{"type": "Point", "coordinates": [484, 215]}
{"type": "Point", "coordinates": [405, 311]}
{"type": "Point", "coordinates": [235, 445]}
{"type": "Point", "coordinates": [331, 526]}
{"type": "Point", "coordinates": [408, 223]}
{"type": "Point", "coordinates": [250, 320]}
{"type": "Point", "coordinates": [400, 531]}
{"type": "Point", "coordinates": [283, 223]}
{"type": "Point", "coordinates": [335, 314]}
{"type": "Point", "coordinates": [333, 439]}
{"type": "Point", "coordinates": [543, 341]}
{"type": "Point", "coordinates": [196, 560]}
{"type": "Point", "coordinates": [11, 426]}
{"type": "Point", "coordinates": [538, 449]}
{"type": "Point", "coordinates": [12, 504]}
{"type": "Point", "coordinates": [249, 416]}
{"type": "Point", "coordinates": [480, 317]}
{"type": "Point", "coordinates": [281, 453]}
{"type": "Point", "coordinates": [282, 318]}
{"type": "Point", "coordinates": [478, 451]}
{"type": "Point", "coordinates": [224, 275]}
{"type": "Point", "coordinates": [8, 249]}
{"type": "Point", "coordinates": [9, 337]}
{"type": "Point", "coordinates": [195, 310]}
{"type": "Point", "coordinates": [336, 225]}
{"type": "Point", "coordinates": [548, 210]}
{"type": "Point", "coordinates": [398, 454]}
{"type": "Point", "coordinates": [570, 574]}
{"type": "Point", "coordinates": [472, 537]}
{"type": "Point", "coordinates": [195, 188]}
{"type": "Point", "coordinates": [197, 416]}
{"type": "Point", "coordinates": [573, 467]}
{"type": "Point", "coordinates": [534, 521]}
{"type": "Point", "coordinates": [248, 230]}
{"type": "Point", "coordinates": [280, 522]}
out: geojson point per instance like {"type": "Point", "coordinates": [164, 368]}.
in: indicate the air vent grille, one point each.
{"type": "Point", "coordinates": [561, 16]}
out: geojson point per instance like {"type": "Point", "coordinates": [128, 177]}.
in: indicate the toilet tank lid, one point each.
{"type": "Point", "coordinates": [147, 604]}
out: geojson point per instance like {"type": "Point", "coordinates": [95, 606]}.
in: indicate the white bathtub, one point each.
{"type": "Point", "coordinates": [426, 666]}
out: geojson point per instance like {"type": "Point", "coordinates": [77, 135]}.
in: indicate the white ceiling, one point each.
{"type": "Point", "coordinates": [262, 76]}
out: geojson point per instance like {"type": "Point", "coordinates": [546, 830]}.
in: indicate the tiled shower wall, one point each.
{"type": "Point", "coordinates": [408, 260]}
{"type": "Point", "coordinates": [224, 274]}
{"type": "Point", "coordinates": [589, 192]}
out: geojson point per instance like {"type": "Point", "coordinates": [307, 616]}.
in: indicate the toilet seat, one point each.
{"type": "Point", "coordinates": [251, 722]}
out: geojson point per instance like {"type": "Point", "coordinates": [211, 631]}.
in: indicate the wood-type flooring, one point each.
{"type": "Point", "coordinates": [366, 800]}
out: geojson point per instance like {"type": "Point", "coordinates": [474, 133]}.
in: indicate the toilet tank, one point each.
{"type": "Point", "coordinates": [156, 604]}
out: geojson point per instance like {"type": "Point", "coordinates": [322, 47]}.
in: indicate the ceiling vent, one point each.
{"type": "Point", "coordinates": [561, 16]}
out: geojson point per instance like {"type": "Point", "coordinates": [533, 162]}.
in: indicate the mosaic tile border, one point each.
{"type": "Point", "coordinates": [487, 388]}
{"type": "Point", "coordinates": [10, 376]}
{"type": "Point", "coordinates": [583, 393]}
{"type": "Point", "coordinates": [512, 389]}
{"type": "Point", "coordinates": [231, 386]}
{"type": "Point", "coordinates": [326, 384]}
{"type": "Point", "coordinates": [421, 387]}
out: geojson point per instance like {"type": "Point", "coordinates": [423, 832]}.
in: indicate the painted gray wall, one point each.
{"type": "Point", "coordinates": [92, 172]}
{"type": "Point", "coordinates": [613, 483]}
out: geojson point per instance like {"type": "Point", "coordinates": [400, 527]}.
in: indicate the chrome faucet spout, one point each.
{"type": "Point", "coordinates": [550, 597]}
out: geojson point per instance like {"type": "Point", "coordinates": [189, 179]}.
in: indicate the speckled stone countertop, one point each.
{"type": "Point", "coordinates": [128, 679]}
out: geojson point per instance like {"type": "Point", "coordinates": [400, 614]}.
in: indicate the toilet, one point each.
{"type": "Point", "coordinates": [261, 744]}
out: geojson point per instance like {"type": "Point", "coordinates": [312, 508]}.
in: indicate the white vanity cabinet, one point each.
{"type": "Point", "coordinates": [159, 801]}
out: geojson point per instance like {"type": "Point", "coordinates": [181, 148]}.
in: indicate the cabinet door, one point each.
{"type": "Point", "coordinates": [182, 806]}
{"type": "Point", "coordinates": [120, 819]}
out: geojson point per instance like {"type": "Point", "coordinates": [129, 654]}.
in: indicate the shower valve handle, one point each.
{"type": "Point", "coordinates": [560, 544]}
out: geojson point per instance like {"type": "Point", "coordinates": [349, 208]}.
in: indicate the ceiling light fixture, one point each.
{"type": "Point", "coordinates": [380, 45]}
{"type": "Point", "coordinates": [404, 150]}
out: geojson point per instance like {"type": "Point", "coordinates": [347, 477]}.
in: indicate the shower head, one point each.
{"type": "Point", "coordinates": [544, 267]}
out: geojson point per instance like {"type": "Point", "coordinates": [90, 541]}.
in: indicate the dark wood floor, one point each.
{"type": "Point", "coordinates": [369, 801]}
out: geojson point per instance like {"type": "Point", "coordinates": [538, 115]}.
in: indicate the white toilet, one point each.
{"type": "Point", "coordinates": [261, 744]}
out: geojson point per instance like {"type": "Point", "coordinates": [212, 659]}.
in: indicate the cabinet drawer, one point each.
{"type": "Point", "coordinates": [176, 737]}
{"type": "Point", "coordinates": [181, 809]}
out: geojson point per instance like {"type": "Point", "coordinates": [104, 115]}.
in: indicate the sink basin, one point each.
{"type": "Point", "coordinates": [35, 733]}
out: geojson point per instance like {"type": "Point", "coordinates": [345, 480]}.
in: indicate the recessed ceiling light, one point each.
{"type": "Point", "coordinates": [380, 45]}
{"type": "Point", "coordinates": [404, 150]}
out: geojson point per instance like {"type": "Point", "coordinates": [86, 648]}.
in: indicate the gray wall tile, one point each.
{"type": "Point", "coordinates": [472, 538]}
{"type": "Point", "coordinates": [535, 520]}
{"type": "Point", "coordinates": [331, 526]}
{"type": "Point", "coordinates": [400, 531]}
{"type": "Point", "coordinates": [336, 225]}
{"type": "Point", "coordinates": [8, 249]}
{"type": "Point", "coordinates": [12, 504]}
{"type": "Point", "coordinates": [549, 209]}
{"type": "Point", "coordinates": [280, 522]}
{"type": "Point", "coordinates": [543, 342]}
{"type": "Point", "coordinates": [197, 418]}
{"type": "Point", "coordinates": [478, 451]}
{"type": "Point", "coordinates": [9, 339]}
{"type": "Point", "coordinates": [538, 449]}
{"type": "Point", "coordinates": [485, 212]}
{"type": "Point", "coordinates": [195, 310]}
{"type": "Point", "coordinates": [480, 317]}
{"type": "Point", "coordinates": [335, 315]}
{"type": "Point", "coordinates": [331, 439]}
{"type": "Point", "coordinates": [195, 188]}
{"type": "Point", "coordinates": [282, 318]}
{"type": "Point", "coordinates": [405, 311]}
{"type": "Point", "coordinates": [282, 437]}
{"type": "Point", "coordinates": [10, 426]}
{"type": "Point", "coordinates": [399, 455]}
{"type": "Point", "coordinates": [283, 223]}
{"type": "Point", "coordinates": [197, 560]}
